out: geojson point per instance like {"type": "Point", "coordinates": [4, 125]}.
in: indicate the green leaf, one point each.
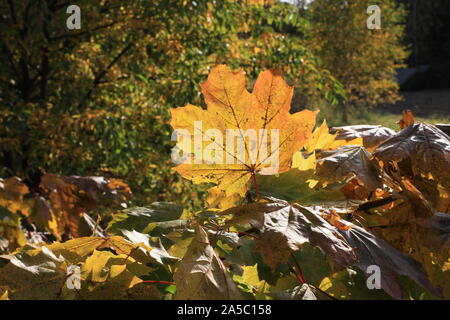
{"type": "Point", "coordinates": [303, 292]}
{"type": "Point", "coordinates": [140, 217]}
{"type": "Point", "coordinates": [296, 186]}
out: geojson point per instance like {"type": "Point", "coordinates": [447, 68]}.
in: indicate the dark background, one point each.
{"type": "Point", "coordinates": [428, 37]}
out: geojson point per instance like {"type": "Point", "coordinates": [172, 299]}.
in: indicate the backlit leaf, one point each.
{"type": "Point", "coordinates": [231, 106]}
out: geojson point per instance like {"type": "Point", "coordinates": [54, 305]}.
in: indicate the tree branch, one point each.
{"type": "Point", "coordinates": [102, 73]}
{"type": "Point", "coordinates": [74, 35]}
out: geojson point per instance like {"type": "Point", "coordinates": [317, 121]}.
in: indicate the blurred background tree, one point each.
{"type": "Point", "coordinates": [364, 61]}
{"type": "Point", "coordinates": [95, 101]}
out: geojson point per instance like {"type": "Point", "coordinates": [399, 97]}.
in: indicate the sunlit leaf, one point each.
{"type": "Point", "coordinates": [202, 275]}
{"type": "Point", "coordinates": [231, 106]}
{"type": "Point", "coordinates": [425, 147]}
{"type": "Point", "coordinates": [372, 136]}
{"type": "Point", "coordinates": [346, 163]}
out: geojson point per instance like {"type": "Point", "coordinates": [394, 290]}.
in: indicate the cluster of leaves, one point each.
{"type": "Point", "coordinates": [341, 202]}
{"type": "Point", "coordinates": [56, 210]}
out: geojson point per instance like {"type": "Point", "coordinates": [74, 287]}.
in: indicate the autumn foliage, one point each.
{"type": "Point", "coordinates": [344, 199]}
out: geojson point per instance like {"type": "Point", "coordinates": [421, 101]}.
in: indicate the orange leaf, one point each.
{"type": "Point", "coordinates": [241, 133]}
{"type": "Point", "coordinates": [407, 119]}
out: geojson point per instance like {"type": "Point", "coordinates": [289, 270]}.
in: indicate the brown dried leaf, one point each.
{"type": "Point", "coordinates": [372, 136]}
{"type": "Point", "coordinates": [12, 192]}
{"type": "Point", "coordinates": [346, 163]}
{"type": "Point", "coordinates": [73, 196]}
{"type": "Point", "coordinates": [424, 149]}
{"type": "Point", "coordinates": [201, 274]}
{"type": "Point", "coordinates": [406, 120]}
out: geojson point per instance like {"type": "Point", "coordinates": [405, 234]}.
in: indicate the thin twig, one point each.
{"type": "Point", "coordinates": [245, 234]}
{"type": "Point", "coordinates": [101, 74]}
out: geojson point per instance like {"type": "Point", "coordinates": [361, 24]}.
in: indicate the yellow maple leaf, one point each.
{"type": "Point", "coordinates": [4, 296]}
{"type": "Point", "coordinates": [322, 140]}
{"type": "Point", "coordinates": [217, 199]}
{"type": "Point", "coordinates": [303, 163]}
{"type": "Point", "coordinates": [240, 134]}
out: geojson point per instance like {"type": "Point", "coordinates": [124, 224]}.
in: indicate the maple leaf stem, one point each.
{"type": "Point", "coordinates": [238, 232]}
{"type": "Point", "coordinates": [247, 234]}
{"type": "Point", "coordinates": [298, 267]}
{"type": "Point", "coordinates": [216, 235]}
{"type": "Point", "coordinates": [255, 183]}
{"type": "Point", "coordinates": [291, 268]}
